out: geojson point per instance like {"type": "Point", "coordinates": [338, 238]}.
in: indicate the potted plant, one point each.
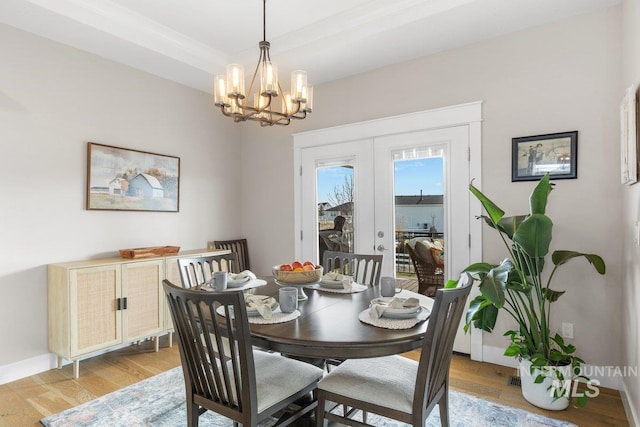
{"type": "Point", "coordinates": [520, 287]}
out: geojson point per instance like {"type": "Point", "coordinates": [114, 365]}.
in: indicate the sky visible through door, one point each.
{"type": "Point", "coordinates": [411, 176]}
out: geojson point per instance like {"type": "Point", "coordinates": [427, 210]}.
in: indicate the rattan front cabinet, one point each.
{"type": "Point", "coordinates": [95, 305]}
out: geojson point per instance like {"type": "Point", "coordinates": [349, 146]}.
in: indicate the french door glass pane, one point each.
{"type": "Point", "coordinates": [418, 200]}
{"type": "Point", "coordinates": [335, 189]}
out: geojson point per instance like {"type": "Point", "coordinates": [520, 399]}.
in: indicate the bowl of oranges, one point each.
{"type": "Point", "coordinates": [298, 273]}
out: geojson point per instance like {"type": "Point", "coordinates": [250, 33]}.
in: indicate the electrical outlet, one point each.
{"type": "Point", "coordinates": [567, 330]}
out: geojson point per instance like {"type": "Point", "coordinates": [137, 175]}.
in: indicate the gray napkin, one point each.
{"type": "Point", "coordinates": [261, 303]}
{"type": "Point", "coordinates": [378, 308]}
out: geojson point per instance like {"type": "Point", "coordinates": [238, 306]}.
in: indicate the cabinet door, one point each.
{"type": "Point", "coordinates": [173, 275]}
{"type": "Point", "coordinates": [94, 320]}
{"type": "Point", "coordinates": [144, 299]}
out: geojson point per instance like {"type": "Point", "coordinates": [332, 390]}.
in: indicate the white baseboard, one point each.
{"type": "Point", "coordinates": [629, 409]}
{"type": "Point", "coordinates": [607, 376]}
{"type": "Point", "coordinates": [35, 365]}
{"type": "Point", "coordinates": [27, 367]}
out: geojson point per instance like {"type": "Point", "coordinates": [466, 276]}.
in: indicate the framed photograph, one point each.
{"type": "Point", "coordinates": [629, 137]}
{"type": "Point", "coordinates": [534, 156]}
{"type": "Point", "coordinates": [123, 179]}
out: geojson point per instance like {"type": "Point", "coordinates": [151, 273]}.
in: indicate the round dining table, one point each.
{"type": "Point", "coordinates": [328, 327]}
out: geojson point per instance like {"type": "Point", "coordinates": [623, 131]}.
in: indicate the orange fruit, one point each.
{"type": "Point", "coordinates": [298, 269]}
{"type": "Point", "coordinates": [308, 267]}
{"type": "Point", "coordinates": [296, 264]}
{"type": "Point", "coordinates": [286, 267]}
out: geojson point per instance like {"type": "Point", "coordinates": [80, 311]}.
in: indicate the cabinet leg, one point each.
{"type": "Point", "coordinates": [59, 361]}
{"type": "Point", "coordinates": [76, 369]}
{"type": "Point", "coordinates": [157, 343]}
{"type": "Point", "coordinates": [170, 339]}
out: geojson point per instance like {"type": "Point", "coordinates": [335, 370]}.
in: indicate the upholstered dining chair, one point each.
{"type": "Point", "coordinates": [237, 246]}
{"type": "Point", "coordinates": [394, 386]}
{"type": "Point", "coordinates": [195, 271]}
{"type": "Point", "coordinates": [365, 269]}
{"type": "Point", "coordinates": [233, 380]}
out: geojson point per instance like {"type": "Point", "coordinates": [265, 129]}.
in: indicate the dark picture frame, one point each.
{"type": "Point", "coordinates": [555, 153]}
{"type": "Point", "coordinates": [124, 179]}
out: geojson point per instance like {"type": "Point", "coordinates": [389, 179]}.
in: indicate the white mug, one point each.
{"type": "Point", "coordinates": [387, 286]}
{"type": "Point", "coordinates": [219, 280]}
{"type": "Point", "coordinates": [288, 299]}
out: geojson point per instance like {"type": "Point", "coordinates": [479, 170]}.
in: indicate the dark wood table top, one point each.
{"type": "Point", "coordinates": [329, 327]}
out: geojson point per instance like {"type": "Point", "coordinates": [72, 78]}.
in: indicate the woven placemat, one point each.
{"type": "Point", "coordinates": [388, 323]}
{"type": "Point", "coordinates": [355, 288]}
{"type": "Point", "coordinates": [277, 317]}
{"type": "Point", "coordinates": [255, 283]}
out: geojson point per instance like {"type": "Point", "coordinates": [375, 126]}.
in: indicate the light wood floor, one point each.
{"type": "Point", "coordinates": [24, 402]}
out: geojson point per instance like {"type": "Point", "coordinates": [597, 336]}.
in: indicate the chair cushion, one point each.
{"type": "Point", "coordinates": [383, 381]}
{"type": "Point", "coordinates": [278, 377]}
{"type": "Point", "coordinates": [438, 256]}
{"type": "Point", "coordinates": [423, 251]}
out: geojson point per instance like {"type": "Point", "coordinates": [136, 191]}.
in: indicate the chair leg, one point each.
{"type": "Point", "coordinates": [320, 409]}
{"type": "Point", "coordinates": [444, 408]}
{"type": "Point", "coordinates": [193, 412]}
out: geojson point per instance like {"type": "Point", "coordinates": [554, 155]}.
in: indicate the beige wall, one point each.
{"type": "Point", "coordinates": [558, 77]}
{"type": "Point", "coordinates": [631, 213]}
{"type": "Point", "coordinates": [53, 100]}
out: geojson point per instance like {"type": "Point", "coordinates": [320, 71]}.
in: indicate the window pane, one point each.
{"type": "Point", "coordinates": [335, 208]}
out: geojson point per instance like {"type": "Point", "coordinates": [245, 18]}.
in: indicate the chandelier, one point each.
{"type": "Point", "coordinates": [231, 97]}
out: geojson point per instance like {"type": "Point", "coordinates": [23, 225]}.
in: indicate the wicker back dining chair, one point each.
{"type": "Point", "coordinates": [365, 269]}
{"type": "Point", "coordinates": [430, 275]}
{"type": "Point", "coordinates": [405, 390]}
{"type": "Point", "coordinates": [233, 380]}
{"type": "Point", "coordinates": [237, 246]}
{"type": "Point", "coordinates": [196, 271]}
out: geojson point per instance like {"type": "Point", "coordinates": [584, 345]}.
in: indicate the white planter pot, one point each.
{"type": "Point", "coordinates": [541, 395]}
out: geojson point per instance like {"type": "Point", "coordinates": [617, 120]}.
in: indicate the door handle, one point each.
{"type": "Point", "coordinates": [381, 248]}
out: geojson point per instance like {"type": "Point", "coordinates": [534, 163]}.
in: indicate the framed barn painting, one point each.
{"type": "Point", "coordinates": [534, 156]}
{"type": "Point", "coordinates": [123, 179]}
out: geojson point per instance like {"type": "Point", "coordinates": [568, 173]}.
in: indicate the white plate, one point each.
{"type": "Point", "coordinates": [413, 311]}
{"type": "Point", "coordinates": [236, 283]}
{"type": "Point", "coordinates": [335, 284]}
{"type": "Point", "coordinates": [252, 311]}
{"type": "Point", "coordinates": [403, 315]}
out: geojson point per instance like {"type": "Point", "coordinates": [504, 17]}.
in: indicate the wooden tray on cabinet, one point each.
{"type": "Point", "coordinates": [149, 252]}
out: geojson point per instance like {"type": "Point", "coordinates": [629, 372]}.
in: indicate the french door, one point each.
{"type": "Point", "coordinates": [373, 220]}
{"type": "Point", "coordinates": [371, 157]}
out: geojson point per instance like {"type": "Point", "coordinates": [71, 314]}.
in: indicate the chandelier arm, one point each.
{"type": "Point", "coordinates": [255, 72]}
{"type": "Point", "coordinates": [298, 103]}
{"type": "Point", "coordinates": [303, 116]}
{"type": "Point", "coordinates": [283, 122]}
{"type": "Point", "coordinates": [254, 110]}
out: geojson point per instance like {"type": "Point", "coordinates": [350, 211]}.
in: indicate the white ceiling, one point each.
{"type": "Point", "coordinates": [189, 41]}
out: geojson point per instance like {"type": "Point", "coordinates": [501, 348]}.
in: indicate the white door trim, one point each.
{"type": "Point", "coordinates": [463, 114]}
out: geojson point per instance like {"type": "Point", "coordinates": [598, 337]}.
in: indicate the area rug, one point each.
{"type": "Point", "coordinates": [160, 401]}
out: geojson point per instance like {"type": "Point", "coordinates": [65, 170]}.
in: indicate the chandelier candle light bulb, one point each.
{"type": "Point", "coordinates": [229, 93]}
{"type": "Point", "coordinates": [298, 84]}
{"type": "Point", "coordinates": [269, 79]}
{"type": "Point", "coordinates": [220, 93]}
{"type": "Point", "coordinates": [235, 80]}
